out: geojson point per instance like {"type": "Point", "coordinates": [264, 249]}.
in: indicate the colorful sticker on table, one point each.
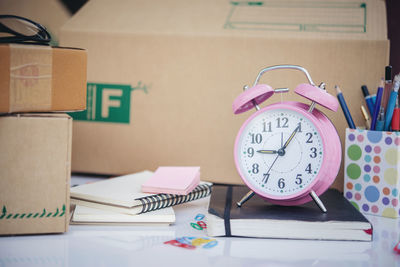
{"type": "Point", "coordinates": [199, 225]}
{"type": "Point", "coordinates": [192, 242]}
{"type": "Point", "coordinates": [199, 217]}
{"type": "Point", "coordinates": [176, 243]}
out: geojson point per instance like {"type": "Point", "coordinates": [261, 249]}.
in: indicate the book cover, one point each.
{"type": "Point", "coordinates": [258, 218]}
{"type": "Point", "coordinates": [123, 194]}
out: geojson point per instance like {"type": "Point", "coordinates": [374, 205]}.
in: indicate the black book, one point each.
{"type": "Point", "coordinates": [258, 218]}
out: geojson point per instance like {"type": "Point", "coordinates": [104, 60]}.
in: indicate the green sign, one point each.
{"type": "Point", "coordinates": [108, 103]}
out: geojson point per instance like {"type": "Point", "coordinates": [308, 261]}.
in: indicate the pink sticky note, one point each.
{"type": "Point", "coordinates": [173, 180]}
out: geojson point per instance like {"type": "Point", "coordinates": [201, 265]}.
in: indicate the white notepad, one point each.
{"type": "Point", "coordinates": [120, 191]}
{"type": "Point", "coordinates": [86, 215]}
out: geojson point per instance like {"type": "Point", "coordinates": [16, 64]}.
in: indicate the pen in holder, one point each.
{"type": "Point", "coordinates": [371, 171]}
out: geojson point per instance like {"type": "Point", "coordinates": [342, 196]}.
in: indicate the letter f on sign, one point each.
{"type": "Point", "coordinates": [107, 102]}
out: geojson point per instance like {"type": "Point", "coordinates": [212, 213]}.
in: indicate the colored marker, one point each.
{"type": "Point", "coordinates": [380, 123]}
{"type": "Point", "coordinates": [388, 86]}
{"type": "Point", "coordinates": [377, 107]}
{"type": "Point", "coordinates": [345, 109]}
{"type": "Point", "coordinates": [373, 97]}
{"type": "Point", "coordinates": [392, 102]}
{"type": "Point", "coordinates": [396, 117]}
{"type": "Point", "coordinates": [368, 99]}
{"type": "Point", "coordinates": [366, 117]}
{"type": "Point", "coordinates": [397, 248]}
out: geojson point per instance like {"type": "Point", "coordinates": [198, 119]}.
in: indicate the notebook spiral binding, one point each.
{"type": "Point", "coordinates": [160, 201]}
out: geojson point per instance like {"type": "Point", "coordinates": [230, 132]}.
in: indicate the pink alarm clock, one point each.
{"type": "Point", "coordinates": [288, 153]}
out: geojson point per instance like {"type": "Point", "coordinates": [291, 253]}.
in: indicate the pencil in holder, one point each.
{"type": "Point", "coordinates": [371, 171]}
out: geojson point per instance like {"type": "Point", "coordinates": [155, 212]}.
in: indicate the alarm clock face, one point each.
{"type": "Point", "coordinates": [279, 152]}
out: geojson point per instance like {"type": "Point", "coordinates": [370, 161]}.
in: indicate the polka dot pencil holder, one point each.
{"type": "Point", "coordinates": [371, 171]}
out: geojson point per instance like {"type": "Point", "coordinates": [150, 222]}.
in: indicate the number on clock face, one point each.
{"type": "Point", "coordinates": [280, 152]}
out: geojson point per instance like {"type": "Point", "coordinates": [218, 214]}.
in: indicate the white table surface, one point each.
{"type": "Point", "coordinates": [143, 246]}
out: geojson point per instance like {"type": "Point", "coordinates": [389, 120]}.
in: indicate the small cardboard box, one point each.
{"type": "Point", "coordinates": [34, 173]}
{"type": "Point", "coordinates": [163, 76]}
{"type": "Point", "coordinates": [372, 168]}
{"type": "Point", "coordinates": [37, 78]}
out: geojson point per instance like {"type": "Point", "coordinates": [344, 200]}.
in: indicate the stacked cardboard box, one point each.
{"type": "Point", "coordinates": [163, 75]}
{"type": "Point", "coordinates": [35, 158]}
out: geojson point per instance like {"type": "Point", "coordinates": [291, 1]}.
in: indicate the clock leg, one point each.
{"type": "Point", "coordinates": [249, 195]}
{"type": "Point", "coordinates": [318, 201]}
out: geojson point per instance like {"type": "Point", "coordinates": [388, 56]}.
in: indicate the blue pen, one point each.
{"type": "Point", "coordinates": [368, 99]}
{"type": "Point", "coordinates": [392, 102]}
{"type": "Point", "coordinates": [377, 107]}
{"type": "Point", "coordinates": [380, 123]}
{"type": "Point", "coordinates": [373, 97]}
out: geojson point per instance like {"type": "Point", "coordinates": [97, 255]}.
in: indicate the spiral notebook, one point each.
{"type": "Point", "coordinates": [123, 194]}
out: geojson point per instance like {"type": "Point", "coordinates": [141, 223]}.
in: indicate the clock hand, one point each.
{"type": "Point", "coordinates": [280, 152]}
{"type": "Point", "coordinates": [290, 137]}
{"type": "Point", "coordinates": [270, 167]}
{"type": "Point", "coordinates": [266, 151]}
{"type": "Point", "coordinates": [251, 193]}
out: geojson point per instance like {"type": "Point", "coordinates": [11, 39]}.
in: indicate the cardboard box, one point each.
{"type": "Point", "coordinates": [35, 173]}
{"type": "Point", "coordinates": [163, 76]}
{"type": "Point", "coordinates": [372, 168]}
{"type": "Point", "coordinates": [37, 78]}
